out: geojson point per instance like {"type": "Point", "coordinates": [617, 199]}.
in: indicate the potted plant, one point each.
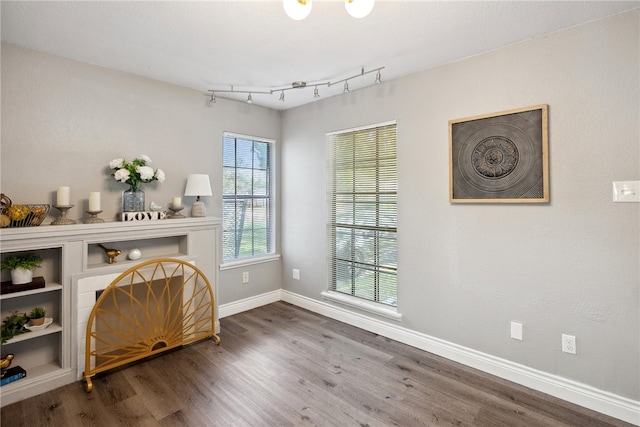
{"type": "Point", "coordinates": [13, 325]}
{"type": "Point", "coordinates": [134, 173]}
{"type": "Point", "coordinates": [37, 316]}
{"type": "Point", "coordinates": [21, 267]}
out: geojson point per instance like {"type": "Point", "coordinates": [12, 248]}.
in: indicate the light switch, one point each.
{"type": "Point", "coordinates": [626, 191]}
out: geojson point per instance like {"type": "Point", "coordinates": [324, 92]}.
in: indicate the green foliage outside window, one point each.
{"type": "Point", "coordinates": [247, 206]}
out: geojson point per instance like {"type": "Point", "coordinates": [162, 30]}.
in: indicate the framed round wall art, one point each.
{"type": "Point", "coordinates": [500, 157]}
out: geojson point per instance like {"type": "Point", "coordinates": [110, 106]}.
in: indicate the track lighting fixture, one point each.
{"type": "Point", "coordinates": [300, 9]}
{"type": "Point", "coordinates": [297, 85]}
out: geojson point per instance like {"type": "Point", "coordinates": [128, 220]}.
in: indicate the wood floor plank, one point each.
{"type": "Point", "coordinates": [71, 408]}
{"type": "Point", "coordinates": [280, 365]}
{"type": "Point", "coordinates": [162, 400]}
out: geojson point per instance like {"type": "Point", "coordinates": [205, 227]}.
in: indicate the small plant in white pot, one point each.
{"type": "Point", "coordinates": [21, 267]}
{"type": "Point", "coordinates": [37, 316]}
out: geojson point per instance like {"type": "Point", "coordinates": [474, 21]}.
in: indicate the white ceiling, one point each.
{"type": "Point", "coordinates": [254, 46]}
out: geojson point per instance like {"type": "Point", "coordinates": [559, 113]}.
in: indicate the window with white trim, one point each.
{"type": "Point", "coordinates": [363, 213]}
{"type": "Point", "coordinates": [247, 196]}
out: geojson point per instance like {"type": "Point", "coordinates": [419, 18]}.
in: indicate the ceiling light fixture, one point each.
{"type": "Point", "coordinates": [297, 85]}
{"type": "Point", "coordinates": [300, 9]}
{"type": "Point", "coordinates": [297, 9]}
{"type": "Point", "coordinates": [359, 8]}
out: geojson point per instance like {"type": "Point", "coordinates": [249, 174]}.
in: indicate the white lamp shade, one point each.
{"type": "Point", "coordinates": [359, 8]}
{"type": "Point", "coordinates": [297, 9]}
{"type": "Point", "coordinates": [198, 185]}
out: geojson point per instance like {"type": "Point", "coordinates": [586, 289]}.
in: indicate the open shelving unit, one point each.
{"type": "Point", "coordinates": [70, 255]}
{"type": "Point", "coordinates": [40, 352]}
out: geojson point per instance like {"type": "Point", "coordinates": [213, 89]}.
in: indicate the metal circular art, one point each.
{"type": "Point", "coordinates": [513, 176]}
{"type": "Point", "coordinates": [495, 157]}
{"type": "Point", "coordinates": [499, 157]}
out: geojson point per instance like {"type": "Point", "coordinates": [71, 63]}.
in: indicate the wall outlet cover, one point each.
{"type": "Point", "coordinates": [569, 344]}
{"type": "Point", "coordinates": [516, 330]}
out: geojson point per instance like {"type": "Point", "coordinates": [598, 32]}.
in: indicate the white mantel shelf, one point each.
{"type": "Point", "coordinates": [69, 232]}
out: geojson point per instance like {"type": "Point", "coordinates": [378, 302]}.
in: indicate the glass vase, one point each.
{"type": "Point", "coordinates": [133, 200]}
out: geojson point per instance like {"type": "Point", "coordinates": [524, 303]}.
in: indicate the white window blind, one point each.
{"type": "Point", "coordinates": [246, 197]}
{"type": "Point", "coordinates": [363, 213]}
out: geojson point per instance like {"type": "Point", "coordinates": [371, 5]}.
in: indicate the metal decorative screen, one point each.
{"type": "Point", "coordinates": [152, 307]}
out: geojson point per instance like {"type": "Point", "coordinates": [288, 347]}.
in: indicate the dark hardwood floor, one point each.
{"type": "Point", "coordinates": [280, 365]}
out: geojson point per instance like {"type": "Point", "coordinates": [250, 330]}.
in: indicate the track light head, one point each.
{"type": "Point", "coordinates": [249, 99]}
{"type": "Point", "coordinates": [346, 86]}
{"type": "Point", "coordinates": [378, 77]}
{"type": "Point", "coordinates": [315, 92]}
{"type": "Point", "coordinates": [282, 96]}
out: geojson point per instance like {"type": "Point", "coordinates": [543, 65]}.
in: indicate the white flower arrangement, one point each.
{"type": "Point", "coordinates": [136, 172]}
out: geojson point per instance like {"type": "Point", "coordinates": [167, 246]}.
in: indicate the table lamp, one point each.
{"type": "Point", "coordinates": [198, 185]}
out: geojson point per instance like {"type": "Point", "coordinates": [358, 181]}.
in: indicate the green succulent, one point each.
{"type": "Point", "coordinates": [37, 313]}
{"type": "Point", "coordinates": [27, 261]}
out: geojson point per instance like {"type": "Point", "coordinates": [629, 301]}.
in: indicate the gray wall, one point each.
{"type": "Point", "coordinates": [466, 271]}
{"type": "Point", "coordinates": [63, 121]}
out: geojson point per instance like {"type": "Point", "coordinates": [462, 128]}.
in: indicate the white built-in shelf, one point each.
{"type": "Point", "coordinates": [49, 287]}
{"type": "Point", "coordinates": [51, 329]}
{"type": "Point", "coordinates": [35, 374]}
{"type": "Point", "coordinates": [124, 262]}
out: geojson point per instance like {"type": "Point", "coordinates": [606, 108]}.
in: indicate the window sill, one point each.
{"type": "Point", "coordinates": [249, 261]}
{"type": "Point", "coordinates": [371, 307]}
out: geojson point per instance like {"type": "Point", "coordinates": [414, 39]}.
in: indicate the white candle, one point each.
{"type": "Point", "coordinates": [177, 202]}
{"type": "Point", "coordinates": [63, 197]}
{"type": "Point", "coordinates": [94, 201]}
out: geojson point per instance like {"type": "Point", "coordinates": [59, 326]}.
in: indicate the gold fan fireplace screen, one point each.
{"type": "Point", "coordinates": [152, 307]}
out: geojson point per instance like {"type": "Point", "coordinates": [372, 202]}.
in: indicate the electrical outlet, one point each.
{"type": "Point", "coordinates": [245, 277]}
{"type": "Point", "coordinates": [516, 330]}
{"type": "Point", "coordinates": [296, 274]}
{"type": "Point", "coordinates": [569, 344]}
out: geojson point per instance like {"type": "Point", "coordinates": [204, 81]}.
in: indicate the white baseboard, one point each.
{"type": "Point", "coordinates": [581, 394]}
{"type": "Point", "coordinates": [249, 303]}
